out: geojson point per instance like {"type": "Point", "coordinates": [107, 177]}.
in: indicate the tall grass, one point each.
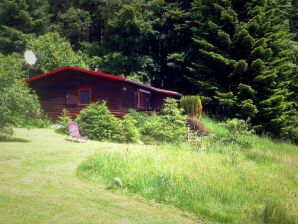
{"type": "Point", "coordinates": [229, 185]}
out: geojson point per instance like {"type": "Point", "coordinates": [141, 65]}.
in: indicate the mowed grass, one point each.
{"type": "Point", "coordinates": [38, 185]}
{"type": "Point", "coordinates": [219, 180]}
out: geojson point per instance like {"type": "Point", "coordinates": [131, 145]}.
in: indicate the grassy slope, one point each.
{"type": "Point", "coordinates": [225, 182]}
{"type": "Point", "coordinates": [38, 185]}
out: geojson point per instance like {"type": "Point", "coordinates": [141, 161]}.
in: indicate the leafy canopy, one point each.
{"type": "Point", "coordinates": [16, 99]}
{"type": "Point", "coordinates": [54, 51]}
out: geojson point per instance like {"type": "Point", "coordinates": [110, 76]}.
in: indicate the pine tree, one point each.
{"type": "Point", "coordinates": [294, 47]}
{"type": "Point", "coordinates": [74, 25]}
{"type": "Point", "coordinates": [100, 12]}
{"type": "Point", "coordinates": [294, 18]}
{"type": "Point", "coordinates": [271, 65]}
{"type": "Point", "coordinates": [243, 63]}
{"type": "Point", "coordinates": [169, 42]}
{"type": "Point", "coordinates": [215, 25]}
{"type": "Point", "coordinates": [20, 19]}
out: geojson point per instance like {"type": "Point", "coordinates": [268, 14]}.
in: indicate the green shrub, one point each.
{"type": "Point", "coordinates": [290, 131]}
{"type": "Point", "coordinates": [239, 131]}
{"type": "Point", "coordinates": [238, 127]}
{"type": "Point", "coordinates": [40, 121]}
{"type": "Point", "coordinates": [129, 131]}
{"type": "Point", "coordinates": [139, 117]}
{"type": "Point", "coordinates": [63, 121]}
{"type": "Point", "coordinates": [192, 105]}
{"type": "Point", "coordinates": [152, 130]}
{"type": "Point", "coordinates": [98, 123]}
{"type": "Point", "coordinates": [170, 126]}
{"type": "Point", "coordinates": [174, 122]}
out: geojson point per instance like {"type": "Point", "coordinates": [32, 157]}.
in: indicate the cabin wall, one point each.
{"type": "Point", "coordinates": [60, 91]}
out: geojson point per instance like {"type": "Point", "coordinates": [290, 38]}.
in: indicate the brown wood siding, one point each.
{"type": "Point", "coordinates": [54, 90]}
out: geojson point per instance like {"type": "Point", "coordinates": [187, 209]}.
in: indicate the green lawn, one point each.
{"type": "Point", "coordinates": [38, 184]}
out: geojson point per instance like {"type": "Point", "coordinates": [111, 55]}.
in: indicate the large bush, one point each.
{"type": "Point", "coordinates": [98, 123]}
{"type": "Point", "coordinates": [152, 130]}
{"type": "Point", "coordinates": [17, 102]}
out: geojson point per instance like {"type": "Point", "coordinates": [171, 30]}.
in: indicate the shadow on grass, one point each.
{"type": "Point", "coordinates": [12, 139]}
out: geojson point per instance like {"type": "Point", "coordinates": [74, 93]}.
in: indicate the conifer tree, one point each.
{"type": "Point", "coordinates": [243, 63]}
{"type": "Point", "coordinates": [215, 25]}
{"type": "Point", "coordinates": [20, 19]}
{"type": "Point", "coordinates": [294, 47]}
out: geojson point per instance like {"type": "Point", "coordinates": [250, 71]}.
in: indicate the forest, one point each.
{"type": "Point", "coordinates": [240, 56]}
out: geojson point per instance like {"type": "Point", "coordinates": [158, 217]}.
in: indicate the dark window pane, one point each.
{"type": "Point", "coordinates": [84, 96]}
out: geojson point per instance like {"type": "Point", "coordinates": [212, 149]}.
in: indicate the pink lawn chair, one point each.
{"type": "Point", "coordinates": [74, 133]}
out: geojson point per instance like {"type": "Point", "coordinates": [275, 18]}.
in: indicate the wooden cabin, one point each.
{"type": "Point", "coordinates": [74, 88]}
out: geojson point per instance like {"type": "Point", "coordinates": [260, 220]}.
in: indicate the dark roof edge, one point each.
{"type": "Point", "coordinates": [168, 92]}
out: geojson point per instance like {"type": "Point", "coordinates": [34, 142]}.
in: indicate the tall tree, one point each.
{"type": "Point", "coordinates": [153, 37]}
{"type": "Point", "coordinates": [294, 47]}
{"type": "Point", "coordinates": [126, 36]}
{"type": "Point", "coordinates": [74, 25]}
{"type": "Point", "coordinates": [243, 63]}
{"type": "Point", "coordinates": [294, 18]}
{"type": "Point", "coordinates": [100, 11]}
{"type": "Point", "coordinates": [16, 100]}
{"type": "Point", "coordinates": [20, 19]}
{"type": "Point", "coordinates": [215, 26]}
{"type": "Point", "coordinates": [53, 52]}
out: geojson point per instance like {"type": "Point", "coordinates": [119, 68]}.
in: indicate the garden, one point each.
{"type": "Point", "coordinates": [220, 172]}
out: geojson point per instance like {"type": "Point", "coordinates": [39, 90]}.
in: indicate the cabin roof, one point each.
{"type": "Point", "coordinates": [101, 74]}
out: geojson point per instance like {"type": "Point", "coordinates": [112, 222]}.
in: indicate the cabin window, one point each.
{"type": "Point", "coordinates": [143, 99]}
{"type": "Point", "coordinates": [84, 96]}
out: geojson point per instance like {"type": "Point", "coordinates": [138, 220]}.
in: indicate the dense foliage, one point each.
{"type": "Point", "coordinates": [169, 126]}
{"type": "Point", "coordinates": [97, 122]}
{"type": "Point", "coordinates": [240, 56]}
{"type": "Point", "coordinates": [17, 102]}
{"type": "Point", "coordinates": [128, 130]}
{"type": "Point", "coordinates": [54, 52]}
{"type": "Point", "coordinates": [243, 61]}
